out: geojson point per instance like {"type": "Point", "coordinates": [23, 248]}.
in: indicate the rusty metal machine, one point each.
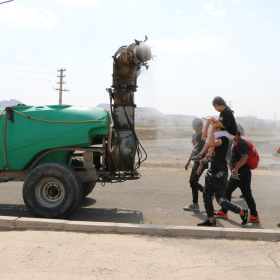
{"type": "Point", "coordinates": [126, 69]}
{"type": "Point", "coordinates": [61, 152]}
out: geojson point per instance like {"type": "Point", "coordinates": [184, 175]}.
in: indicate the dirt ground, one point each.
{"type": "Point", "coordinates": [53, 255]}
{"type": "Point", "coordinates": [163, 133]}
{"type": "Point", "coordinates": [178, 149]}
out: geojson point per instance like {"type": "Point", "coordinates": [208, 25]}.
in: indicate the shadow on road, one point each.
{"type": "Point", "coordinates": [249, 225]}
{"type": "Point", "coordinates": [202, 216]}
{"type": "Point", "coordinates": [17, 210]}
{"type": "Point", "coordinates": [114, 215]}
{"type": "Point", "coordinates": [87, 201]}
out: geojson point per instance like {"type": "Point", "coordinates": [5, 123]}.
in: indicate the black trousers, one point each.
{"type": "Point", "coordinates": [245, 186]}
{"type": "Point", "coordinates": [194, 178]}
{"type": "Point", "coordinates": [217, 186]}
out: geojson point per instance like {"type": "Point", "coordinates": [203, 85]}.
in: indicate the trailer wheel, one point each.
{"type": "Point", "coordinates": [52, 190]}
{"type": "Point", "coordinates": [88, 187]}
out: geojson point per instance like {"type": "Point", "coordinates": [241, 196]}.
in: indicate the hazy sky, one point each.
{"type": "Point", "coordinates": [203, 48]}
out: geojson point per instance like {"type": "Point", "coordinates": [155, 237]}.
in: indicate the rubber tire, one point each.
{"type": "Point", "coordinates": [88, 187]}
{"type": "Point", "coordinates": [69, 182]}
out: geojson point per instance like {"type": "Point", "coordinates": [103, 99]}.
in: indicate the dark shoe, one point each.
{"type": "Point", "coordinates": [245, 217]}
{"type": "Point", "coordinates": [207, 223]}
{"type": "Point", "coordinates": [241, 196]}
{"type": "Point", "coordinates": [278, 225]}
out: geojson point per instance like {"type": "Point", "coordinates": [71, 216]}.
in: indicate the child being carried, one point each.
{"type": "Point", "coordinates": [227, 125]}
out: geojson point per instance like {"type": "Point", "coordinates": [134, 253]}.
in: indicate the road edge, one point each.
{"type": "Point", "coordinates": [16, 223]}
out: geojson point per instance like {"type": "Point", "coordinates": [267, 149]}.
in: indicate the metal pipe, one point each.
{"type": "Point", "coordinates": [127, 63]}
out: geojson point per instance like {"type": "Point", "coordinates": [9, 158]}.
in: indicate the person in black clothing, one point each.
{"type": "Point", "coordinates": [241, 176]}
{"type": "Point", "coordinates": [229, 150]}
{"type": "Point", "coordinates": [228, 128]}
{"type": "Point", "coordinates": [216, 179]}
{"type": "Point", "coordinates": [198, 144]}
{"type": "Point", "coordinates": [226, 118]}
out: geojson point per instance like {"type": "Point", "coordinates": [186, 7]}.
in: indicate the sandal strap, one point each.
{"type": "Point", "coordinates": [206, 159]}
{"type": "Point", "coordinates": [198, 156]}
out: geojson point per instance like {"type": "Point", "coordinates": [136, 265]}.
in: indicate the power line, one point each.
{"type": "Point", "coordinates": [84, 75]}
{"type": "Point", "coordinates": [27, 64]}
{"type": "Point", "coordinates": [105, 85]}
{"type": "Point", "coordinates": [84, 79]}
{"type": "Point", "coordinates": [24, 78]}
{"type": "Point", "coordinates": [88, 88]}
{"type": "Point", "coordinates": [25, 71]}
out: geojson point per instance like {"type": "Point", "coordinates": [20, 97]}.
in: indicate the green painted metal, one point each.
{"type": "Point", "coordinates": [27, 138]}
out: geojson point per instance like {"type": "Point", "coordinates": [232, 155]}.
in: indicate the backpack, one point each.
{"type": "Point", "coordinates": [253, 156]}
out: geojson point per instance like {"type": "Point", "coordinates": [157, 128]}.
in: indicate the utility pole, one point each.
{"type": "Point", "coordinates": [230, 104]}
{"type": "Point", "coordinates": [60, 84]}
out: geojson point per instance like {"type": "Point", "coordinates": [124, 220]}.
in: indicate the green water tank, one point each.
{"type": "Point", "coordinates": [26, 138]}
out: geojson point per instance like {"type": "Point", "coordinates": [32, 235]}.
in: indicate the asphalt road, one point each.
{"type": "Point", "coordinates": [156, 198]}
{"type": "Point", "coordinates": [160, 194]}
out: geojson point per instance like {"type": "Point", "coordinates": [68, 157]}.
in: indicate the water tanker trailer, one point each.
{"type": "Point", "coordinates": [62, 151]}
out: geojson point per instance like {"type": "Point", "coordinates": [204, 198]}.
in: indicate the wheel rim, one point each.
{"type": "Point", "coordinates": [50, 192]}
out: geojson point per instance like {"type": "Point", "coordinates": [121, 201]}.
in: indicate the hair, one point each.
{"type": "Point", "coordinates": [197, 122]}
{"type": "Point", "coordinates": [218, 100]}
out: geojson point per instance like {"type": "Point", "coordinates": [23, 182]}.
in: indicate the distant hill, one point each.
{"type": "Point", "coordinates": [106, 106]}
{"type": "Point", "coordinates": [139, 110]}
{"type": "Point", "coordinates": [148, 111]}
{"type": "Point", "coordinates": [11, 102]}
{"type": "Point", "coordinates": [147, 116]}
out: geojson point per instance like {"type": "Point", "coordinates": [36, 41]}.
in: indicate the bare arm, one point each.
{"type": "Point", "coordinates": [220, 124]}
{"type": "Point", "coordinates": [188, 163]}
{"type": "Point", "coordinates": [205, 131]}
{"type": "Point", "coordinates": [241, 162]}
{"type": "Point", "coordinates": [212, 141]}
{"type": "Point", "coordinates": [211, 119]}
{"type": "Point", "coordinates": [278, 150]}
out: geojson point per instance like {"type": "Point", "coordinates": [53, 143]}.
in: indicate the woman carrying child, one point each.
{"type": "Point", "coordinates": [216, 179]}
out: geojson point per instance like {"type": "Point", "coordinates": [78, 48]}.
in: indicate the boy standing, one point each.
{"type": "Point", "coordinates": [198, 144]}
